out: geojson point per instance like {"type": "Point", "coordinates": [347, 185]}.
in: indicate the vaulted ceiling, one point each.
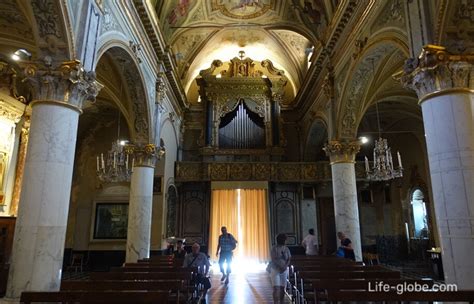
{"type": "Point", "coordinates": [285, 32]}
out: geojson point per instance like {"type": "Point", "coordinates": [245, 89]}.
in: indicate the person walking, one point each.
{"type": "Point", "coordinates": [281, 257]}
{"type": "Point", "coordinates": [226, 245]}
{"type": "Point", "coordinates": [310, 243]}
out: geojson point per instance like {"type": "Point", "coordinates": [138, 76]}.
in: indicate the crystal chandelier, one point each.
{"type": "Point", "coordinates": [115, 167]}
{"type": "Point", "coordinates": [383, 168]}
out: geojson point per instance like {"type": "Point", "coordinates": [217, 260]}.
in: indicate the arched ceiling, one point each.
{"type": "Point", "coordinates": [15, 28]}
{"type": "Point", "coordinates": [200, 31]}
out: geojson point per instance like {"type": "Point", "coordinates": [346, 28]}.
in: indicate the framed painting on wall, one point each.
{"type": "Point", "coordinates": [111, 220]}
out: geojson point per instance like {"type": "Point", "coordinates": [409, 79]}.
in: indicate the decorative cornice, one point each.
{"type": "Point", "coordinates": [347, 12]}
{"type": "Point", "coordinates": [342, 151]}
{"type": "Point", "coordinates": [436, 72]}
{"type": "Point", "coordinates": [145, 155]}
{"type": "Point", "coordinates": [163, 53]}
{"type": "Point", "coordinates": [67, 84]}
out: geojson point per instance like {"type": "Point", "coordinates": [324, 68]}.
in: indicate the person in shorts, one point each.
{"type": "Point", "coordinates": [281, 257]}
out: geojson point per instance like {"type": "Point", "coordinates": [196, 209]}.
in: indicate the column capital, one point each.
{"type": "Point", "coordinates": [66, 84]}
{"type": "Point", "coordinates": [145, 155]}
{"type": "Point", "coordinates": [437, 72]}
{"type": "Point", "coordinates": [342, 151]}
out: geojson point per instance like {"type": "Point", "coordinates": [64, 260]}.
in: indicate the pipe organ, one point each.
{"type": "Point", "coordinates": [240, 131]}
{"type": "Point", "coordinates": [241, 108]}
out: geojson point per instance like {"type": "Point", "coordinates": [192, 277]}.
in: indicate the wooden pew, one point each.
{"type": "Point", "coordinates": [178, 290]}
{"type": "Point", "coordinates": [331, 263]}
{"type": "Point", "coordinates": [322, 286]}
{"type": "Point", "coordinates": [447, 296]}
{"type": "Point", "coordinates": [165, 285]}
{"type": "Point", "coordinates": [348, 274]}
{"type": "Point", "coordinates": [340, 268]}
{"type": "Point", "coordinates": [307, 276]}
{"type": "Point", "coordinates": [105, 297]}
{"type": "Point", "coordinates": [153, 269]}
{"type": "Point", "coordinates": [101, 276]}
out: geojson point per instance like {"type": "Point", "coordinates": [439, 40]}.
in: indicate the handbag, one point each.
{"type": "Point", "coordinates": [340, 252]}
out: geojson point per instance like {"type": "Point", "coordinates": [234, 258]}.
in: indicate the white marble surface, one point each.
{"type": "Point", "coordinates": [139, 214]}
{"type": "Point", "coordinates": [449, 128]}
{"type": "Point", "coordinates": [346, 210]}
{"type": "Point", "coordinates": [40, 230]}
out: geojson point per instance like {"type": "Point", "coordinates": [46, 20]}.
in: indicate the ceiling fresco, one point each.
{"type": "Point", "coordinates": [242, 9]}
{"type": "Point", "coordinates": [201, 31]}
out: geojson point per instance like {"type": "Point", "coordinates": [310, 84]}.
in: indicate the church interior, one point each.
{"type": "Point", "coordinates": [129, 125]}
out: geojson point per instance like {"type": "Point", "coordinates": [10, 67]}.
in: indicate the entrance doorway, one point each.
{"type": "Point", "coordinates": [244, 213]}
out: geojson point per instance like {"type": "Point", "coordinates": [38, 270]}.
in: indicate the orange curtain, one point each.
{"type": "Point", "coordinates": [255, 243]}
{"type": "Point", "coordinates": [224, 212]}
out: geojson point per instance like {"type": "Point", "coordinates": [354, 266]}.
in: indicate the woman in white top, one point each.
{"type": "Point", "coordinates": [310, 243]}
{"type": "Point", "coordinates": [279, 271]}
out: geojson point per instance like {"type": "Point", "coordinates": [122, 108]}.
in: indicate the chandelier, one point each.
{"type": "Point", "coordinates": [383, 168]}
{"type": "Point", "coordinates": [115, 167]}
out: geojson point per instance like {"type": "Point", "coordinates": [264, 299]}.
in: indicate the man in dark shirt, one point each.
{"type": "Point", "coordinates": [226, 244]}
{"type": "Point", "coordinates": [346, 245]}
{"type": "Point", "coordinates": [179, 253]}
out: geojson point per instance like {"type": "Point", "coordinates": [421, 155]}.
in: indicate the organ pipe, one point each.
{"type": "Point", "coordinates": [241, 132]}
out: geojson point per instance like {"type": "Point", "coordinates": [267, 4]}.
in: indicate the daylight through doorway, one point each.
{"type": "Point", "coordinates": [244, 213]}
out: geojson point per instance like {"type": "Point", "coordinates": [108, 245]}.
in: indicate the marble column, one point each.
{"type": "Point", "coordinates": [346, 210]}
{"type": "Point", "coordinates": [38, 246]}
{"type": "Point", "coordinates": [141, 198]}
{"type": "Point", "coordinates": [444, 86]}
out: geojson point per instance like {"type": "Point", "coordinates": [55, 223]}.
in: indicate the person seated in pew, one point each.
{"type": "Point", "coordinates": [179, 253]}
{"type": "Point", "coordinates": [310, 243]}
{"type": "Point", "coordinates": [200, 260]}
{"type": "Point", "coordinates": [346, 246]}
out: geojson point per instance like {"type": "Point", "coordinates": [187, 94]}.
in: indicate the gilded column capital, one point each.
{"type": "Point", "coordinates": [437, 72]}
{"type": "Point", "coordinates": [342, 151]}
{"type": "Point", "coordinates": [67, 84]}
{"type": "Point", "coordinates": [144, 155]}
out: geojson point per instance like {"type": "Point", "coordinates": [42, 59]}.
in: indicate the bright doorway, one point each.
{"type": "Point", "coordinates": [244, 213]}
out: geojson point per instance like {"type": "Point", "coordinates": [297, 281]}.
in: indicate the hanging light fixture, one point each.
{"type": "Point", "coordinates": [383, 168]}
{"type": "Point", "coordinates": [115, 166]}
